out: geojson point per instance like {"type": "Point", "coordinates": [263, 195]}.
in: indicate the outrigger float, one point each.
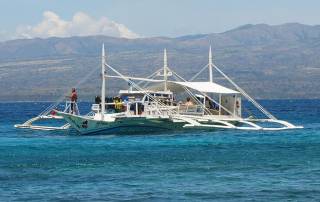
{"type": "Point", "coordinates": [50, 114]}
{"type": "Point", "coordinates": [152, 104]}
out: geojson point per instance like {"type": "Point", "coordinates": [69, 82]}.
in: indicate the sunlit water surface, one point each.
{"type": "Point", "coordinates": [219, 165]}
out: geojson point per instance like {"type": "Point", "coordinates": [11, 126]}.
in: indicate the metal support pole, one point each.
{"type": "Point", "coordinates": [165, 69]}
{"type": "Point", "coordinates": [103, 85]}
{"type": "Point", "coordinates": [219, 104]}
{"type": "Point", "coordinates": [210, 65]}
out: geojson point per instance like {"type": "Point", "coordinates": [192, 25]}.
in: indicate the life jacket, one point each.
{"type": "Point", "coordinates": [118, 104]}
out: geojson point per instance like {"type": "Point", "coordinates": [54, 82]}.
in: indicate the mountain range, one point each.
{"type": "Point", "coordinates": [269, 62]}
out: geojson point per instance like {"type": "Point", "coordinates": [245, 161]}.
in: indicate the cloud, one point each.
{"type": "Point", "coordinates": [81, 24]}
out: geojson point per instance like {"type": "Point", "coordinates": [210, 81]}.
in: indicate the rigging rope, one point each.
{"type": "Point", "coordinates": [58, 101]}
{"type": "Point", "coordinates": [150, 77]}
{"type": "Point", "coordinates": [204, 94]}
{"type": "Point", "coordinates": [140, 89]}
{"type": "Point", "coordinates": [195, 76]}
{"type": "Point", "coordinates": [256, 104]}
{"type": "Point", "coordinates": [195, 98]}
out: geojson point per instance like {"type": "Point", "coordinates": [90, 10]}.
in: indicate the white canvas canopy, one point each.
{"type": "Point", "coordinates": [205, 87]}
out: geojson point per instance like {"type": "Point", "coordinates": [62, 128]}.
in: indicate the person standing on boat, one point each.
{"type": "Point", "coordinates": [73, 99]}
{"type": "Point", "coordinates": [189, 102]}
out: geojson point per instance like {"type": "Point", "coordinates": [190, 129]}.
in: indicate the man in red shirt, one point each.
{"type": "Point", "coordinates": [73, 99]}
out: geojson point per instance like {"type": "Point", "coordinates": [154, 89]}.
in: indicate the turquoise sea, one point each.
{"type": "Point", "coordinates": [189, 166]}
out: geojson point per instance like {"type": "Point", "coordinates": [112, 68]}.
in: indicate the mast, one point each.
{"type": "Point", "coordinates": [165, 68]}
{"type": "Point", "coordinates": [103, 85]}
{"type": "Point", "coordinates": [210, 65]}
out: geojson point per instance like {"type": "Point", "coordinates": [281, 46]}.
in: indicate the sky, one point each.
{"type": "Point", "coordinates": [145, 18]}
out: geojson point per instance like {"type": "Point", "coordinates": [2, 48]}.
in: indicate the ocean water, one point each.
{"type": "Point", "coordinates": [193, 166]}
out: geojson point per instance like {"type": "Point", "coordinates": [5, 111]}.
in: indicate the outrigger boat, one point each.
{"type": "Point", "coordinates": [151, 104]}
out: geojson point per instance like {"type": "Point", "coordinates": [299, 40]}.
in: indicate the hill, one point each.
{"type": "Point", "coordinates": [279, 61]}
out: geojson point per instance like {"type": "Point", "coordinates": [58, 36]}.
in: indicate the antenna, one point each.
{"type": "Point", "coordinates": [210, 65]}
{"type": "Point", "coordinates": [103, 85]}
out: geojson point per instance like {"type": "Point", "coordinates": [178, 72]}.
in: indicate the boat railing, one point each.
{"type": "Point", "coordinates": [150, 108]}
{"type": "Point", "coordinates": [131, 108]}
{"type": "Point", "coordinates": [71, 107]}
{"type": "Point", "coordinates": [190, 109]}
{"type": "Point", "coordinates": [116, 106]}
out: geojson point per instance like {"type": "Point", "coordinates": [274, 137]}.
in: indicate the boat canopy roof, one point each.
{"type": "Point", "coordinates": [207, 87]}
{"type": "Point", "coordinates": [143, 92]}
{"type": "Point", "coordinates": [204, 87]}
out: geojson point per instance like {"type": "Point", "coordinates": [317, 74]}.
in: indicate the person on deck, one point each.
{"type": "Point", "coordinates": [189, 102]}
{"type": "Point", "coordinates": [97, 100]}
{"type": "Point", "coordinates": [73, 99]}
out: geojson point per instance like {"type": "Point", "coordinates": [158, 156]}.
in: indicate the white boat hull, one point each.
{"type": "Point", "coordinates": [88, 125]}
{"type": "Point", "coordinates": [136, 124]}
